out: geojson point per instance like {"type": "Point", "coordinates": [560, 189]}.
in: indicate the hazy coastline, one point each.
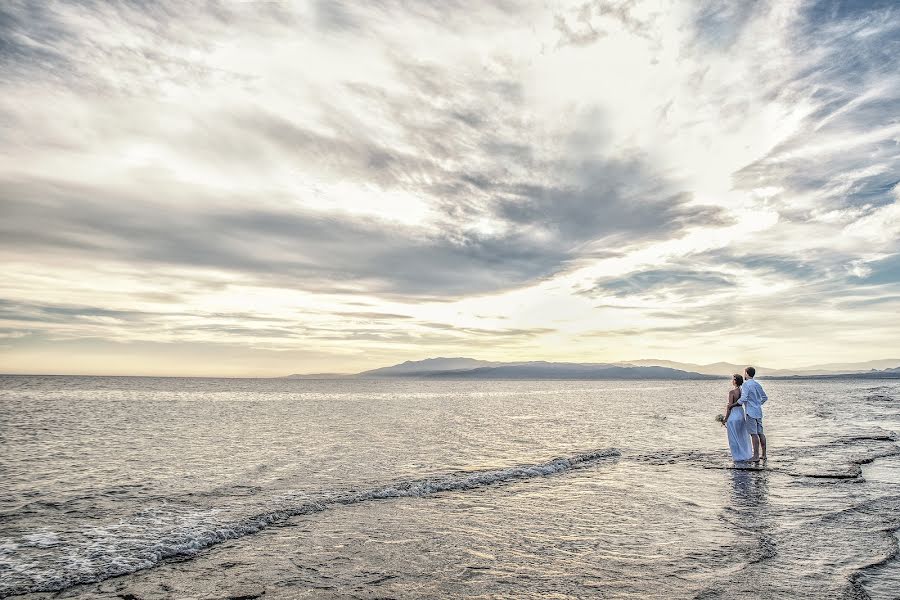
{"type": "Point", "coordinates": [467, 368]}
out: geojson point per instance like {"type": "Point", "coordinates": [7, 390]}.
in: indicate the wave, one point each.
{"type": "Point", "coordinates": [115, 550]}
{"type": "Point", "coordinates": [887, 561]}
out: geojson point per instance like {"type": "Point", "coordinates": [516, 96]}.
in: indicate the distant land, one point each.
{"type": "Point", "coordinates": [470, 368]}
{"type": "Point", "coordinates": [725, 369]}
{"type": "Point", "coordinates": [871, 374]}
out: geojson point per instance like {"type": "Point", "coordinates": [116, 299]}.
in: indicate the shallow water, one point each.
{"type": "Point", "coordinates": [221, 487]}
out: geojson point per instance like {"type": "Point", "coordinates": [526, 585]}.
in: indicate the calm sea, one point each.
{"type": "Point", "coordinates": [195, 488]}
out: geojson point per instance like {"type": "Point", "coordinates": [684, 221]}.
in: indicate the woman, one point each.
{"type": "Point", "coordinates": [738, 438]}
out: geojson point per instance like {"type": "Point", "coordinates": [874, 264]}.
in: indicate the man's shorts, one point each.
{"type": "Point", "coordinates": [754, 426]}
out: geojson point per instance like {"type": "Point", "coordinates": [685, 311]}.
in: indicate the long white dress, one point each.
{"type": "Point", "coordinates": [738, 437]}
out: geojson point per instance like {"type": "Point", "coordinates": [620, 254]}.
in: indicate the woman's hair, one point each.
{"type": "Point", "coordinates": [738, 379]}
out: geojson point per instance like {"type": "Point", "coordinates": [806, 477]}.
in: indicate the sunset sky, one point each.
{"type": "Point", "coordinates": [271, 188]}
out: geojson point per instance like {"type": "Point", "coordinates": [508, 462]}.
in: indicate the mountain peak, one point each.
{"type": "Point", "coordinates": [471, 368]}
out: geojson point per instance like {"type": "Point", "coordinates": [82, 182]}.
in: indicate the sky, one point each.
{"type": "Point", "coordinates": [257, 189]}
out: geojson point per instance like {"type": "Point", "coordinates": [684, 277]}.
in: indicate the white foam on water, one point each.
{"type": "Point", "coordinates": [153, 536]}
{"type": "Point", "coordinates": [42, 539]}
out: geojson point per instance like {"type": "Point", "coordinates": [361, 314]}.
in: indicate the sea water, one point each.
{"type": "Point", "coordinates": [217, 488]}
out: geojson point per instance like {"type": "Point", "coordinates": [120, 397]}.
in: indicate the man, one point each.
{"type": "Point", "coordinates": [753, 397]}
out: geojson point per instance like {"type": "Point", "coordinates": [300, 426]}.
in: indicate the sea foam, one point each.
{"type": "Point", "coordinates": [151, 538]}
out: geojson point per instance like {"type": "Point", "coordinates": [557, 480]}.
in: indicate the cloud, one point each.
{"type": "Point", "coordinates": [662, 282]}
{"type": "Point", "coordinates": [301, 249]}
{"type": "Point", "coordinates": [383, 179]}
{"type": "Point", "coordinates": [59, 324]}
{"type": "Point", "coordinates": [376, 316]}
{"type": "Point", "coordinates": [843, 154]}
{"type": "Point", "coordinates": [499, 211]}
{"type": "Point", "coordinates": [541, 230]}
{"type": "Point", "coordinates": [719, 25]}
{"type": "Point", "coordinates": [885, 271]}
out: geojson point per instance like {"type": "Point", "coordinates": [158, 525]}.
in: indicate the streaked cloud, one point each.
{"type": "Point", "coordinates": [349, 184]}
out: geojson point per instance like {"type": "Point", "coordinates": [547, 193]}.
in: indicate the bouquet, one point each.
{"type": "Point", "coordinates": [720, 418]}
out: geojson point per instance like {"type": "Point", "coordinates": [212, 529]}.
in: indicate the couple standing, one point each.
{"type": "Point", "coordinates": [743, 418]}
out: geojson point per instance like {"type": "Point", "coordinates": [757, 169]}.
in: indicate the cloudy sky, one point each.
{"type": "Point", "coordinates": [267, 188]}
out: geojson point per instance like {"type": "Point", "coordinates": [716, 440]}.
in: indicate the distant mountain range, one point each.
{"type": "Point", "coordinates": [470, 368]}
{"type": "Point", "coordinates": [429, 365]}
{"type": "Point", "coordinates": [871, 374]}
{"type": "Point", "coordinates": [437, 368]}
{"type": "Point", "coordinates": [725, 369]}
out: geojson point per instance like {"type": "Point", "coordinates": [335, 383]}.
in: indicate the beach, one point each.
{"type": "Point", "coordinates": [224, 488]}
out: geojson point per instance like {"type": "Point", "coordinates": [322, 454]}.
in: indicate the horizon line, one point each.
{"type": "Point", "coordinates": [328, 375]}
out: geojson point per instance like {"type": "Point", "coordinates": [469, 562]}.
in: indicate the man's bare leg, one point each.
{"type": "Point", "coordinates": [762, 446]}
{"type": "Point", "coordinates": [755, 439]}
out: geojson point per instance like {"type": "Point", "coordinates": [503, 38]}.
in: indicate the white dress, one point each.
{"type": "Point", "coordinates": [738, 438]}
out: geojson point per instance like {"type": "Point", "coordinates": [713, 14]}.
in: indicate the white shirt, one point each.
{"type": "Point", "coordinates": [752, 397]}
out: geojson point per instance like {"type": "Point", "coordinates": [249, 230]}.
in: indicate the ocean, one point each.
{"type": "Point", "coordinates": [139, 488]}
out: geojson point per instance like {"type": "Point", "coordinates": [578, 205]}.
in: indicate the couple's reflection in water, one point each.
{"type": "Point", "coordinates": [750, 512]}
{"type": "Point", "coordinates": [749, 491]}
